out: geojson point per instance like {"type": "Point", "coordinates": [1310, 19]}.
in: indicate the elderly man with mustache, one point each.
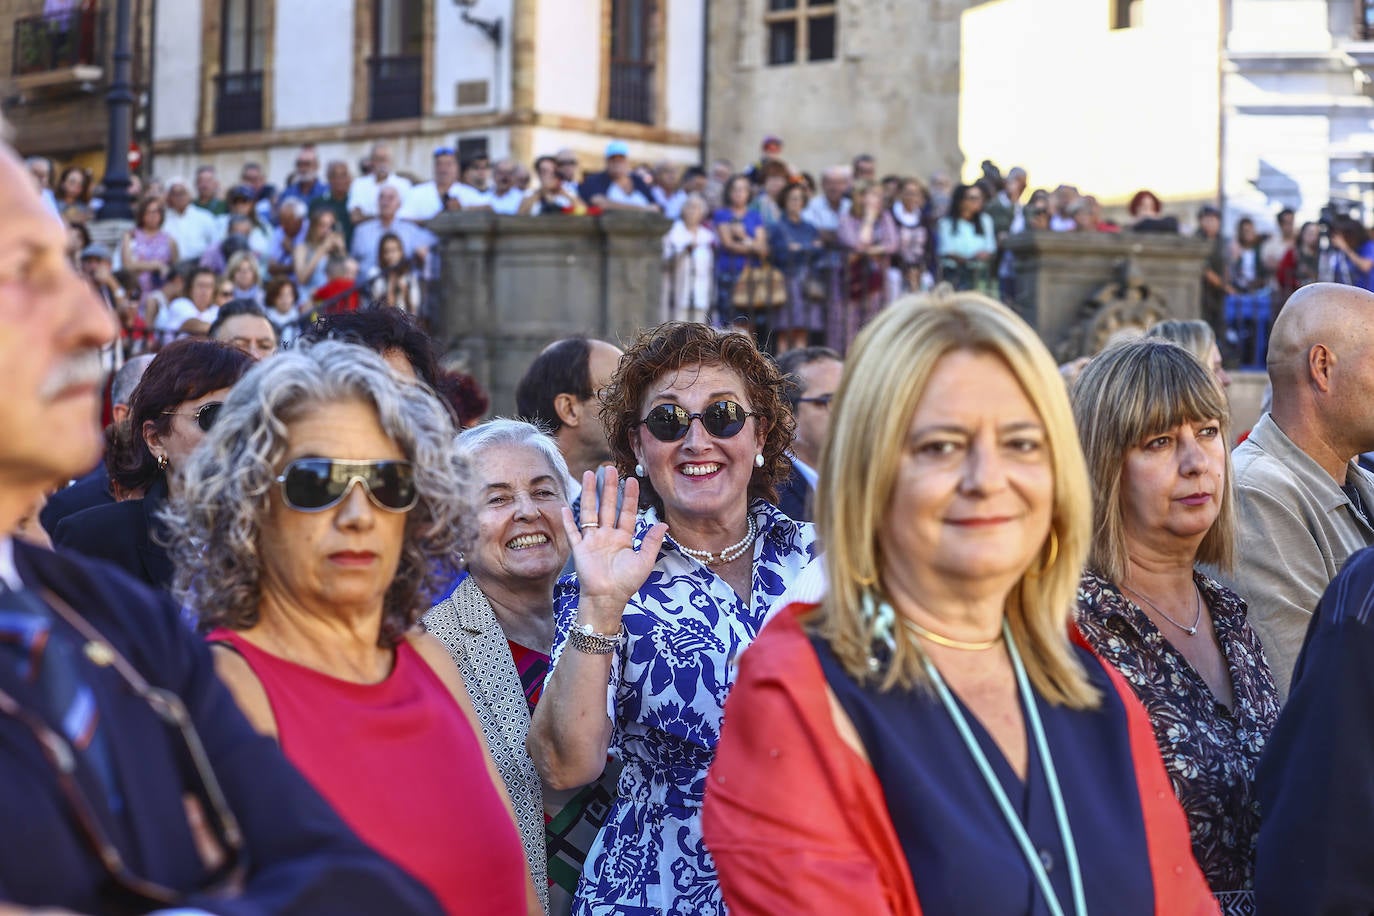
{"type": "Point", "coordinates": [129, 781]}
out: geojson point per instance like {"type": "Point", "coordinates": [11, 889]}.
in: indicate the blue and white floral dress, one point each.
{"type": "Point", "coordinates": [686, 627]}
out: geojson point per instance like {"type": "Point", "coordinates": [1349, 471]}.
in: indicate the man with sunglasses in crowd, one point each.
{"type": "Point", "coordinates": [813, 376]}
{"type": "Point", "coordinates": [129, 781]}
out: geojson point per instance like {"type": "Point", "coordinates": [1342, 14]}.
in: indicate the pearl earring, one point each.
{"type": "Point", "coordinates": [639, 470]}
{"type": "Point", "coordinates": [758, 460]}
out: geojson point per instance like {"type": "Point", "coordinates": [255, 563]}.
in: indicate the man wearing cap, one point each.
{"type": "Point", "coordinates": [617, 188]}
{"type": "Point", "coordinates": [192, 228]}
{"type": "Point", "coordinates": [95, 267]}
{"type": "Point", "coordinates": [241, 200]}
{"type": "Point", "coordinates": [566, 160]}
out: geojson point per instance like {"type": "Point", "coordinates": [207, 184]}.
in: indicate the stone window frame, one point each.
{"type": "Point", "coordinates": [1127, 14]}
{"type": "Point", "coordinates": [658, 46]}
{"type": "Point", "coordinates": [799, 16]}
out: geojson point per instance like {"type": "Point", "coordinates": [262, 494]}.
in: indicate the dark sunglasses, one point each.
{"type": "Point", "coordinates": [205, 415]}
{"type": "Point", "coordinates": [316, 484]}
{"type": "Point", "coordinates": [820, 400]}
{"type": "Point", "coordinates": [670, 422]}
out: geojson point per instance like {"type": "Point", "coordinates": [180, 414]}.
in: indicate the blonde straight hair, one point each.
{"type": "Point", "coordinates": [1130, 393]}
{"type": "Point", "coordinates": [885, 375]}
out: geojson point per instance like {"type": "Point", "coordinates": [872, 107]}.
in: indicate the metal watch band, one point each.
{"type": "Point", "coordinates": [584, 639]}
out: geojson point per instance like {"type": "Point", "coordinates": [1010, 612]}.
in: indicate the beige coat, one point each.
{"type": "Point", "coordinates": [466, 624]}
{"type": "Point", "coordinates": [1297, 529]}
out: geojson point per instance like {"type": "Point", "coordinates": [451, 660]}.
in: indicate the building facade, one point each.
{"type": "Point", "coordinates": [254, 79]}
{"type": "Point", "coordinates": [1298, 127]}
{"type": "Point", "coordinates": [834, 78]}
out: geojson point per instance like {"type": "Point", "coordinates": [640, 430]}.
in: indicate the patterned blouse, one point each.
{"type": "Point", "coordinates": [685, 628]}
{"type": "Point", "coordinates": [1210, 752]}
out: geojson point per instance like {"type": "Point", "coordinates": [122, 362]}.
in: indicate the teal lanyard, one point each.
{"type": "Point", "coordinates": [1042, 747]}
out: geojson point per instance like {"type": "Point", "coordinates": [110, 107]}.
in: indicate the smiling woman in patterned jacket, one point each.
{"type": "Point", "coordinates": [647, 638]}
{"type": "Point", "coordinates": [1154, 427]}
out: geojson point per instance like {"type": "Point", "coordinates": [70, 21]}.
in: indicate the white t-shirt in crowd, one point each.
{"type": "Point", "coordinates": [178, 312]}
{"type": "Point", "coordinates": [509, 202]}
{"type": "Point", "coordinates": [470, 197]}
{"type": "Point", "coordinates": [422, 202]}
{"type": "Point", "coordinates": [362, 194]}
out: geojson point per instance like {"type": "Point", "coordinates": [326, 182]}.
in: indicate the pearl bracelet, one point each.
{"type": "Point", "coordinates": [584, 639]}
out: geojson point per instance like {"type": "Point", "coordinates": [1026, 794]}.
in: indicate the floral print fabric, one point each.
{"type": "Point", "coordinates": [685, 628]}
{"type": "Point", "coordinates": [1209, 751]}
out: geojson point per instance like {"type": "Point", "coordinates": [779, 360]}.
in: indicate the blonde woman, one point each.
{"type": "Point", "coordinates": [956, 751]}
{"type": "Point", "coordinates": [244, 274]}
{"type": "Point", "coordinates": [1198, 339]}
{"type": "Point", "coordinates": [1153, 423]}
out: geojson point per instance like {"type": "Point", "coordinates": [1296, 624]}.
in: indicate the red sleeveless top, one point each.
{"type": "Point", "coordinates": [403, 767]}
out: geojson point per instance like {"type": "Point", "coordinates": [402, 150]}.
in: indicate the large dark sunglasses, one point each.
{"type": "Point", "coordinates": [670, 422]}
{"type": "Point", "coordinates": [205, 414]}
{"type": "Point", "coordinates": [316, 484]}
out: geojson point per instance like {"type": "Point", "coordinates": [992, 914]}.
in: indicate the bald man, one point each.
{"type": "Point", "coordinates": [1304, 504]}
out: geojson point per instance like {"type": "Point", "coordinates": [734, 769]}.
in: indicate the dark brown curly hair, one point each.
{"type": "Point", "coordinates": [677, 345]}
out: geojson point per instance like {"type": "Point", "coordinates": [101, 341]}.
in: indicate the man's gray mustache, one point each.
{"type": "Point", "coordinates": [80, 369]}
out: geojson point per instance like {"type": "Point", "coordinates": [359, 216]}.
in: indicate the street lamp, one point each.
{"type": "Point", "coordinates": [491, 27]}
{"type": "Point", "coordinates": [120, 99]}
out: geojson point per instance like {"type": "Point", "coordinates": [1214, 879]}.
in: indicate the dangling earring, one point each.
{"type": "Point", "coordinates": [758, 460]}
{"type": "Point", "coordinates": [162, 462]}
{"type": "Point", "coordinates": [1054, 555]}
{"type": "Point", "coordinates": [639, 470]}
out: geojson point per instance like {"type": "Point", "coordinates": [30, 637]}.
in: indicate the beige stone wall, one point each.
{"type": "Point", "coordinates": [892, 91]}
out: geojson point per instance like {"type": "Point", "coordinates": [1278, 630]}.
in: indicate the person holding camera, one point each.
{"type": "Point", "coordinates": [395, 281]}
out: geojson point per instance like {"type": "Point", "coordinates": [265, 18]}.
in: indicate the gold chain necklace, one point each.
{"type": "Point", "coordinates": [949, 643]}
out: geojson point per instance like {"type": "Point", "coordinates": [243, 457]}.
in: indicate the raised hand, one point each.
{"type": "Point", "coordinates": [609, 569]}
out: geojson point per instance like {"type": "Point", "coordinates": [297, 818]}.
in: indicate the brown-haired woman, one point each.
{"type": "Point", "coordinates": [1153, 422]}
{"type": "Point", "coordinates": [646, 639]}
{"type": "Point", "coordinates": [924, 735]}
{"type": "Point", "coordinates": [170, 411]}
{"type": "Point", "coordinates": [147, 250]}
{"type": "Point", "coordinates": [869, 234]}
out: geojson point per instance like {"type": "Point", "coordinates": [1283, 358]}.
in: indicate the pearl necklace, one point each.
{"type": "Point", "coordinates": [733, 552]}
{"type": "Point", "coordinates": [1190, 630]}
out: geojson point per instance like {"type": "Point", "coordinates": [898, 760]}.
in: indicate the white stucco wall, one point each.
{"type": "Point", "coordinates": [176, 71]}
{"type": "Point", "coordinates": [1116, 111]}
{"type": "Point", "coordinates": [463, 52]}
{"type": "Point", "coordinates": [1298, 122]}
{"type": "Point", "coordinates": [567, 68]}
{"type": "Point", "coordinates": [313, 68]}
{"type": "Point", "coordinates": [590, 148]}
{"type": "Point", "coordinates": [684, 75]}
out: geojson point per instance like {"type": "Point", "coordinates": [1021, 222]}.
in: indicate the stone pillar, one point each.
{"type": "Point", "coordinates": [1073, 286]}
{"type": "Point", "coordinates": [513, 284]}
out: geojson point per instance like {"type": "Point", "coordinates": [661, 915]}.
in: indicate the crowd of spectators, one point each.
{"type": "Point", "coordinates": [795, 258]}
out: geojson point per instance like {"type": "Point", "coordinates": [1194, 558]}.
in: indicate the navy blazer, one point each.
{"type": "Point", "coordinates": [795, 496]}
{"type": "Point", "coordinates": [126, 534]}
{"type": "Point", "coordinates": [86, 492]}
{"type": "Point", "coordinates": [301, 857]}
{"type": "Point", "coordinates": [1313, 784]}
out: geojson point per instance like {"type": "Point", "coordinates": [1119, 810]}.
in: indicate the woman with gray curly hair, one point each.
{"type": "Point", "coordinates": [321, 514]}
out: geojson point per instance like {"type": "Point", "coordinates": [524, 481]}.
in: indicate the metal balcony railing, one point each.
{"type": "Point", "coordinates": [238, 102]}
{"type": "Point", "coordinates": [43, 44]}
{"type": "Point", "coordinates": [393, 88]}
{"type": "Point", "coordinates": [631, 96]}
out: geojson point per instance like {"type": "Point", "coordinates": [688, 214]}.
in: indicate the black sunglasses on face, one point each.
{"type": "Point", "coordinates": [820, 400]}
{"type": "Point", "coordinates": [205, 415]}
{"type": "Point", "coordinates": [670, 422]}
{"type": "Point", "coordinates": [316, 484]}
